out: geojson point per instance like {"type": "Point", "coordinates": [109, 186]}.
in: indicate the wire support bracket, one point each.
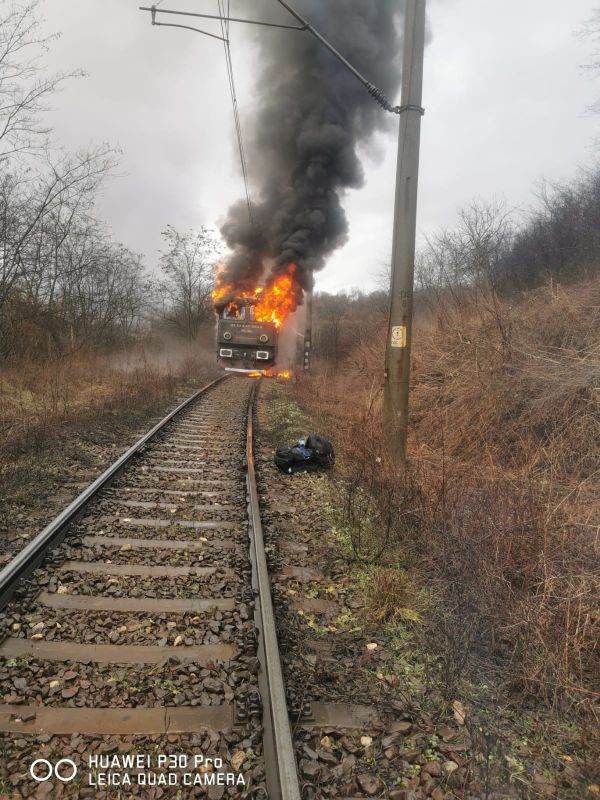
{"type": "Point", "coordinates": [383, 101]}
{"type": "Point", "coordinates": [223, 18]}
{"type": "Point", "coordinates": [402, 109]}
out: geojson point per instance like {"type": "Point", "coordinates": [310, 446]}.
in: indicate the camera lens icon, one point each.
{"type": "Point", "coordinates": [43, 770]}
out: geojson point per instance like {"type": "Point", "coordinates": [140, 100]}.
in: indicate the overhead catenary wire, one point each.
{"type": "Point", "coordinates": [224, 17]}
{"type": "Point", "coordinates": [224, 21]}
{"type": "Point", "coordinates": [376, 93]}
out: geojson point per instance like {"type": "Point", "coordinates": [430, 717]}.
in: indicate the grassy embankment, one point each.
{"type": "Point", "coordinates": [65, 419]}
{"type": "Point", "coordinates": [483, 553]}
{"type": "Point", "coordinates": [36, 399]}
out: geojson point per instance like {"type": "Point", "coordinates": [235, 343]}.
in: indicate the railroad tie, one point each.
{"type": "Point", "coordinates": [156, 544]}
{"type": "Point", "coordinates": [62, 721]}
{"type": "Point", "coordinates": [163, 605]}
{"type": "Point", "coordinates": [204, 654]}
{"type": "Point", "coordinates": [150, 522]}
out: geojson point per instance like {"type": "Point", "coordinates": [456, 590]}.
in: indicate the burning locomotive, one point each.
{"type": "Point", "coordinates": [244, 343]}
{"type": "Point", "coordinates": [249, 321]}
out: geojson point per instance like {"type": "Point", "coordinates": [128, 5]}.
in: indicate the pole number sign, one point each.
{"type": "Point", "coordinates": [398, 338]}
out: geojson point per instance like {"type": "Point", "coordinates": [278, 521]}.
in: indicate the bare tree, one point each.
{"type": "Point", "coordinates": [63, 281]}
{"type": "Point", "coordinates": [24, 88]}
{"type": "Point", "coordinates": [188, 265]}
{"type": "Point", "coordinates": [464, 266]}
{"type": "Point", "coordinates": [470, 254]}
{"type": "Point", "coordinates": [561, 238]}
{"type": "Point", "coordinates": [329, 330]}
{"type": "Point", "coordinates": [102, 292]}
{"type": "Point", "coordinates": [31, 203]}
{"type": "Point", "coordinates": [591, 31]}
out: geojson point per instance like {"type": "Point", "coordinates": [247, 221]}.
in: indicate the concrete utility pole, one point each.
{"type": "Point", "coordinates": [397, 357]}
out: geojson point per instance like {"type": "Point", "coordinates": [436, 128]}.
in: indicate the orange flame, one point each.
{"type": "Point", "coordinates": [221, 292]}
{"type": "Point", "coordinates": [283, 374]}
{"type": "Point", "coordinates": [275, 301]}
{"type": "Point", "coordinates": [224, 290]}
{"type": "Point", "coordinates": [278, 298]}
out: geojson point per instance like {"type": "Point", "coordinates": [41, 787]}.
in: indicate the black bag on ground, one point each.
{"type": "Point", "coordinates": [322, 449]}
{"type": "Point", "coordinates": [313, 452]}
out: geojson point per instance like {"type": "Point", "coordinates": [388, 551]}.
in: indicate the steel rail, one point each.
{"type": "Point", "coordinates": [34, 552]}
{"type": "Point", "coordinates": [280, 762]}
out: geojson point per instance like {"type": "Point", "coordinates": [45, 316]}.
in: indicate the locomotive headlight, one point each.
{"type": "Point", "coordinates": [263, 338]}
{"type": "Point", "coordinates": [227, 335]}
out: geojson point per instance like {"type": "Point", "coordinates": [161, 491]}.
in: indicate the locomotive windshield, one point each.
{"type": "Point", "coordinates": [233, 311]}
{"type": "Point", "coordinates": [238, 310]}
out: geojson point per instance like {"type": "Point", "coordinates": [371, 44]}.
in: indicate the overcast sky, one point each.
{"type": "Point", "coordinates": [505, 94]}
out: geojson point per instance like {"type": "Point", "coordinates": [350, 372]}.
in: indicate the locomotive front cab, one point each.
{"type": "Point", "coordinates": [243, 343]}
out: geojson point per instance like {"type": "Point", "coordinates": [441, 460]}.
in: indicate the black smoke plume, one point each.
{"type": "Point", "coordinates": [311, 117]}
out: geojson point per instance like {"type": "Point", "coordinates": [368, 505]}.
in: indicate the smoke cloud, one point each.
{"type": "Point", "coordinates": [302, 141]}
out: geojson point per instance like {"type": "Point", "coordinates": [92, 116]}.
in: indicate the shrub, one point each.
{"type": "Point", "coordinates": [498, 508]}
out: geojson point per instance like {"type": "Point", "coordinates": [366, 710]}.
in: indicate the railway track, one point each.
{"type": "Point", "coordinates": [138, 637]}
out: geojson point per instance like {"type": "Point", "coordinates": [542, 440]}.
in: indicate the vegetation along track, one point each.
{"type": "Point", "coordinates": [140, 622]}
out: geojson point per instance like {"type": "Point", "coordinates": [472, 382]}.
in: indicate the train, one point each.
{"type": "Point", "coordinates": [245, 344]}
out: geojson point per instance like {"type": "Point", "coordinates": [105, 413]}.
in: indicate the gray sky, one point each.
{"type": "Point", "coordinates": [505, 94]}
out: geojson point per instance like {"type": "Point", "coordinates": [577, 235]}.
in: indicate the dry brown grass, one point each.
{"type": "Point", "coordinates": [390, 595]}
{"type": "Point", "coordinates": [499, 510]}
{"type": "Point", "coordinates": [37, 399]}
